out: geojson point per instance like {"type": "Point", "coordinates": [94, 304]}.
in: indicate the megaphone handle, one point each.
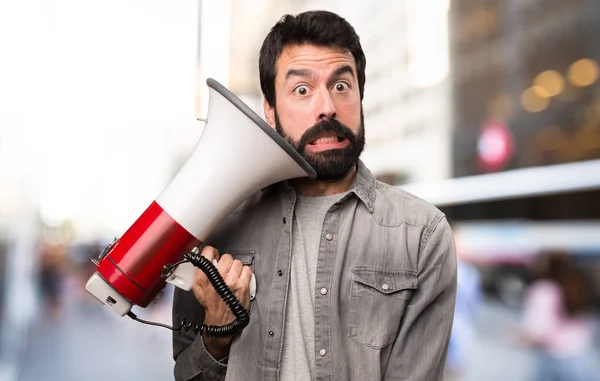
{"type": "Point", "coordinates": [215, 278]}
{"type": "Point", "coordinates": [242, 316]}
{"type": "Point", "coordinates": [251, 286]}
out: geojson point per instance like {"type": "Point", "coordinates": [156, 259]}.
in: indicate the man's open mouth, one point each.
{"type": "Point", "coordinates": [327, 139]}
{"type": "Point", "coordinates": [326, 142]}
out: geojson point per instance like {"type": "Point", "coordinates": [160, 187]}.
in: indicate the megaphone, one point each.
{"type": "Point", "coordinates": [237, 154]}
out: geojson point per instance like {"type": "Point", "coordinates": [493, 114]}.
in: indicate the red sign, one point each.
{"type": "Point", "coordinates": [495, 145]}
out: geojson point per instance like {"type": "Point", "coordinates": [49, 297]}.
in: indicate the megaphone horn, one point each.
{"type": "Point", "coordinates": [237, 154]}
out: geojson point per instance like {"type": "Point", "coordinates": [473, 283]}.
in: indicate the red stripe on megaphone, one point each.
{"type": "Point", "coordinates": [133, 265]}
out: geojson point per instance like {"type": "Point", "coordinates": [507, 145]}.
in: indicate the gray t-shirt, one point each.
{"type": "Point", "coordinates": [298, 357]}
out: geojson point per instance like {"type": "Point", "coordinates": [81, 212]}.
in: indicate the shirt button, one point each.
{"type": "Point", "coordinates": [322, 352]}
{"type": "Point", "coordinates": [323, 291]}
{"type": "Point", "coordinates": [271, 333]}
{"type": "Point", "coordinates": [385, 287]}
{"type": "Point", "coordinates": [279, 272]}
{"type": "Point", "coordinates": [329, 236]}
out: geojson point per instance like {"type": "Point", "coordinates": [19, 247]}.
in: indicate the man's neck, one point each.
{"type": "Point", "coordinates": [315, 188]}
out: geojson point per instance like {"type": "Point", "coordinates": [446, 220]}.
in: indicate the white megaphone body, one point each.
{"type": "Point", "coordinates": [237, 154]}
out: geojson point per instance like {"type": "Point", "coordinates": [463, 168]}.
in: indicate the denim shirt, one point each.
{"type": "Point", "coordinates": [384, 295]}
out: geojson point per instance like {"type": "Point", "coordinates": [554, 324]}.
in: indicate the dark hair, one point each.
{"type": "Point", "coordinates": [558, 266]}
{"type": "Point", "coordinates": [320, 28]}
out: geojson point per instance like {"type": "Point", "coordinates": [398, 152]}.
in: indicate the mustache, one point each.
{"type": "Point", "coordinates": [326, 126]}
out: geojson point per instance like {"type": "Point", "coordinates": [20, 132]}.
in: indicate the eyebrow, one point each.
{"type": "Point", "coordinates": [306, 73]}
{"type": "Point", "coordinates": [342, 70]}
{"type": "Point", "coordinates": [299, 73]}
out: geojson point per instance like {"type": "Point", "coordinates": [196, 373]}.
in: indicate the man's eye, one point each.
{"type": "Point", "coordinates": [341, 86]}
{"type": "Point", "coordinates": [301, 90]}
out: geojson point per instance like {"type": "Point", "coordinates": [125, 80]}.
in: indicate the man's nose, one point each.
{"type": "Point", "coordinates": [325, 106]}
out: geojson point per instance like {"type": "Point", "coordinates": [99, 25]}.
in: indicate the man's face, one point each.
{"type": "Point", "coordinates": [318, 109]}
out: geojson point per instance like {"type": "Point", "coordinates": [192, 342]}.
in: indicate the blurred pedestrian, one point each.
{"type": "Point", "coordinates": [463, 339]}
{"type": "Point", "coordinates": [558, 321]}
{"type": "Point", "coordinates": [51, 277]}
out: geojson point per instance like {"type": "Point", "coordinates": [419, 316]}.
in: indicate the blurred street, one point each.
{"type": "Point", "coordinates": [90, 342]}
{"type": "Point", "coordinates": [494, 357]}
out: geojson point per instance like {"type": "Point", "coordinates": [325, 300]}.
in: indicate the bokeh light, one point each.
{"type": "Point", "coordinates": [532, 101]}
{"type": "Point", "coordinates": [583, 72]}
{"type": "Point", "coordinates": [550, 83]}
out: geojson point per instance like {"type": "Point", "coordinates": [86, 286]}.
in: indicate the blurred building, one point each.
{"type": "Point", "coordinates": [525, 134]}
{"type": "Point", "coordinates": [526, 94]}
{"type": "Point", "coordinates": [524, 83]}
{"type": "Point", "coordinates": [96, 100]}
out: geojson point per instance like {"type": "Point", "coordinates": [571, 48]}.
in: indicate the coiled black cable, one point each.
{"type": "Point", "coordinates": [242, 317]}
{"type": "Point", "coordinates": [214, 277]}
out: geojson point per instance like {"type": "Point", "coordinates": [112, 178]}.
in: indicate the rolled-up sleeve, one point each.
{"type": "Point", "coordinates": [420, 349]}
{"type": "Point", "coordinates": [193, 362]}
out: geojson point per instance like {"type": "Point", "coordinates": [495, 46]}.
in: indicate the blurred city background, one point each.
{"type": "Point", "coordinates": [489, 109]}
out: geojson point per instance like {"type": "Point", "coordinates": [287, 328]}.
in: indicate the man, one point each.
{"type": "Point", "coordinates": [356, 280]}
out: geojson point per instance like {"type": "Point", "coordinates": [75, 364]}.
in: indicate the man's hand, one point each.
{"type": "Point", "coordinates": [237, 277]}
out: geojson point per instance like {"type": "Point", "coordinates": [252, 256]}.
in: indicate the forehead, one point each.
{"type": "Point", "coordinates": [307, 56]}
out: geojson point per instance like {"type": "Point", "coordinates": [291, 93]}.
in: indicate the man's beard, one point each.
{"type": "Point", "coordinates": [333, 164]}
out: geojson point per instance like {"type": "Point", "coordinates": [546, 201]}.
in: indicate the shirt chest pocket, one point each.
{"type": "Point", "coordinates": [378, 299]}
{"type": "Point", "coordinates": [246, 256]}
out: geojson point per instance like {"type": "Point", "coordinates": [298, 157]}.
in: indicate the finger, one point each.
{"type": "Point", "coordinates": [210, 253]}
{"type": "Point", "coordinates": [235, 271]}
{"type": "Point", "coordinates": [225, 264]}
{"type": "Point", "coordinates": [245, 275]}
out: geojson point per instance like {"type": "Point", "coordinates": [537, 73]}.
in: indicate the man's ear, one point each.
{"type": "Point", "coordinates": [269, 113]}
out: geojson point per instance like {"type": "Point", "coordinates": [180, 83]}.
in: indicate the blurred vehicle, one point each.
{"type": "Point", "coordinates": [503, 220]}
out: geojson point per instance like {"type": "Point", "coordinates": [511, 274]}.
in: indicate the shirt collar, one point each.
{"type": "Point", "coordinates": [364, 186]}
